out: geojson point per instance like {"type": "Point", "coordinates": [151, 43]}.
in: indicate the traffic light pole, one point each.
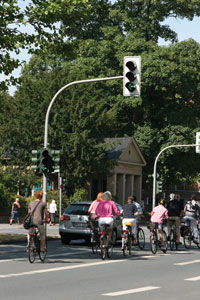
{"type": "Point", "coordinates": [155, 164]}
{"type": "Point", "coordinates": [48, 113]}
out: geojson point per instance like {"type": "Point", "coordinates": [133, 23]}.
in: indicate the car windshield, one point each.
{"type": "Point", "coordinates": [77, 209]}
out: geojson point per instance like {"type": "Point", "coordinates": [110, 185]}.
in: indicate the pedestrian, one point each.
{"type": "Point", "coordinates": [52, 211]}
{"type": "Point", "coordinates": [15, 211]}
{"type": "Point", "coordinates": [39, 215]}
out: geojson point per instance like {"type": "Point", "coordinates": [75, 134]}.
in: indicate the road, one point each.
{"type": "Point", "coordinates": [74, 272]}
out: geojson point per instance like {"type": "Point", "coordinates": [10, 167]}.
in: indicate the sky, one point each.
{"type": "Point", "coordinates": [184, 28]}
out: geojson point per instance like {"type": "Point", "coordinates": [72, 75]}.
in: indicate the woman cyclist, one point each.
{"type": "Point", "coordinates": [104, 212]}
{"type": "Point", "coordinates": [129, 215]}
{"type": "Point", "coordinates": [157, 215]}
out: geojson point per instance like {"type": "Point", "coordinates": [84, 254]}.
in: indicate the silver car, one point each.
{"type": "Point", "coordinates": [74, 223]}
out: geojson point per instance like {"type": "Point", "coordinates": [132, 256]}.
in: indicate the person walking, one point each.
{"type": "Point", "coordinates": [52, 211]}
{"type": "Point", "coordinates": [15, 211]}
{"type": "Point", "coordinates": [39, 214]}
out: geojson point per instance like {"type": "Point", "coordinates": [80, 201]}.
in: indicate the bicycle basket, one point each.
{"type": "Point", "coordinates": [183, 230]}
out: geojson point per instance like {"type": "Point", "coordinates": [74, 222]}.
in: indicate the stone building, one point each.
{"type": "Point", "coordinates": [126, 176]}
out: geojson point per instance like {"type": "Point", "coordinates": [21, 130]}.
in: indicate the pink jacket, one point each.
{"type": "Point", "coordinates": [106, 209]}
{"type": "Point", "coordinates": [158, 213]}
{"type": "Point", "coordinates": [93, 206]}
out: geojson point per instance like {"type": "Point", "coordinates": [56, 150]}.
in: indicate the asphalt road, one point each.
{"type": "Point", "coordinates": [74, 272]}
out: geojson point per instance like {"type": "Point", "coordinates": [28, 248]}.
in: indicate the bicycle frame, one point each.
{"type": "Point", "coordinates": [33, 246]}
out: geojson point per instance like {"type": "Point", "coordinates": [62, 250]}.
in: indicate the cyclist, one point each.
{"type": "Point", "coordinates": [38, 217]}
{"type": "Point", "coordinates": [175, 211]}
{"type": "Point", "coordinates": [130, 212]}
{"type": "Point", "coordinates": [104, 212]}
{"type": "Point", "coordinates": [157, 215]}
{"type": "Point", "coordinates": [94, 205]}
{"type": "Point", "coordinates": [192, 212]}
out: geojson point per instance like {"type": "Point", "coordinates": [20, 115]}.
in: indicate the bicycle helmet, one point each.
{"type": "Point", "coordinates": [171, 196]}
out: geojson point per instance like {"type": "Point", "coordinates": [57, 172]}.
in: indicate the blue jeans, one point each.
{"type": "Point", "coordinates": [15, 214]}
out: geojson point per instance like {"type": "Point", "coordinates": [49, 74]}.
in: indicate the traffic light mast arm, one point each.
{"type": "Point", "coordinates": [155, 165]}
{"type": "Point", "coordinates": [48, 113]}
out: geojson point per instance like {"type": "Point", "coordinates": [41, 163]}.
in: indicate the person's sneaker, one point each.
{"type": "Point", "coordinates": [196, 241]}
{"type": "Point", "coordinates": [122, 248]}
{"type": "Point", "coordinates": [168, 238]}
{"type": "Point", "coordinates": [178, 243]}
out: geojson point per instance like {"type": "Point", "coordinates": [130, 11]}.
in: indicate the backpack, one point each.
{"type": "Point", "coordinates": [191, 206]}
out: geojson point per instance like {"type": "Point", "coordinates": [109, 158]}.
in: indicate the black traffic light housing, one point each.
{"type": "Point", "coordinates": [131, 76]}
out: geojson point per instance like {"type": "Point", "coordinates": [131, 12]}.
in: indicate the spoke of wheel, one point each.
{"type": "Point", "coordinates": [141, 238]}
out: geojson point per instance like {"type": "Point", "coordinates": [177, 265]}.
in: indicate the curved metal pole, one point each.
{"type": "Point", "coordinates": [47, 118]}
{"type": "Point", "coordinates": [155, 164]}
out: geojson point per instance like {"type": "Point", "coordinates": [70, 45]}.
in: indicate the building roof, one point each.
{"type": "Point", "coordinates": [117, 146]}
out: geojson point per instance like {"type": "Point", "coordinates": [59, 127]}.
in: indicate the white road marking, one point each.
{"type": "Point", "coordinates": [132, 291]}
{"type": "Point", "coordinates": [193, 278]}
{"type": "Point", "coordinates": [60, 268]}
{"type": "Point", "coordinates": [187, 262]}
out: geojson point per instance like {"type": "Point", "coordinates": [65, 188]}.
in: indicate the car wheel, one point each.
{"type": "Point", "coordinates": [64, 240]}
{"type": "Point", "coordinates": [114, 237]}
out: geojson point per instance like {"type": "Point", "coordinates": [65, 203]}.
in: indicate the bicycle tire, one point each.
{"type": "Point", "coordinates": [165, 244]}
{"type": "Point", "coordinates": [172, 241]}
{"type": "Point", "coordinates": [129, 245]}
{"type": "Point", "coordinates": [103, 248]}
{"type": "Point", "coordinates": [31, 250]}
{"type": "Point", "coordinates": [153, 243]}
{"type": "Point", "coordinates": [109, 250]}
{"type": "Point", "coordinates": [141, 238]}
{"type": "Point", "coordinates": [187, 240]}
{"type": "Point", "coordinates": [198, 244]}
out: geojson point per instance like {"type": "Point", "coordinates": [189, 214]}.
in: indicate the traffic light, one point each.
{"type": "Point", "coordinates": [54, 159]}
{"type": "Point", "coordinates": [36, 160]}
{"type": "Point", "coordinates": [44, 161]}
{"type": "Point", "coordinates": [132, 75]}
{"type": "Point", "coordinates": [158, 187]}
{"type": "Point", "coordinates": [198, 142]}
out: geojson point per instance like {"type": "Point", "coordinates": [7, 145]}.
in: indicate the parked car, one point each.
{"type": "Point", "coordinates": [74, 223]}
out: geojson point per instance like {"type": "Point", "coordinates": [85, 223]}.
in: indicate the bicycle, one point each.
{"type": "Point", "coordinates": [105, 246]}
{"type": "Point", "coordinates": [95, 236]}
{"type": "Point", "coordinates": [189, 237]}
{"type": "Point", "coordinates": [173, 238]}
{"type": "Point", "coordinates": [155, 238]}
{"type": "Point", "coordinates": [127, 239]}
{"type": "Point", "coordinates": [33, 247]}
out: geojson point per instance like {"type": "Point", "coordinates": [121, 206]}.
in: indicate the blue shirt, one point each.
{"type": "Point", "coordinates": [129, 210]}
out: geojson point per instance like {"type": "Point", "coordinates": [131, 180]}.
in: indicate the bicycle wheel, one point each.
{"type": "Point", "coordinates": [172, 241]}
{"type": "Point", "coordinates": [95, 242]}
{"type": "Point", "coordinates": [109, 250]}
{"type": "Point", "coordinates": [153, 242]}
{"type": "Point", "coordinates": [198, 244]}
{"type": "Point", "coordinates": [165, 245]}
{"type": "Point", "coordinates": [187, 240]}
{"type": "Point", "coordinates": [129, 244]}
{"type": "Point", "coordinates": [103, 247]}
{"type": "Point", "coordinates": [42, 254]}
{"type": "Point", "coordinates": [31, 250]}
{"type": "Point", "coordinates": [141, 238]}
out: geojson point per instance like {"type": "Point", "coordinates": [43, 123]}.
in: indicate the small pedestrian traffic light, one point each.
{"type": "Point", "coordinates": [131, 75]}
{"type": "Point", "coordinates": [197, 142]}
{"type": "Point", "coordinates": [159, 187]}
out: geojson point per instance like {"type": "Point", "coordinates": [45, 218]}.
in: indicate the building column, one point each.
{"type": "Point", "coordinates": [124, 188]}
{"type": "Point", "coordinates": [115, 185]}
{"type": "Point", "coordinates": [132, 185]}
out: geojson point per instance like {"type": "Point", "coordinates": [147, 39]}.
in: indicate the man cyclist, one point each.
{"type": "Point", "coordinates": [158, 214]}
{"type": "Point", "coordinates": [129, 215]}
{"type": "Point", "coordinates": [192, 212]}
{"type": "Point", "coordinates": [104, 212]}
{"type": "Point", "coordinates": [175, 211]}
